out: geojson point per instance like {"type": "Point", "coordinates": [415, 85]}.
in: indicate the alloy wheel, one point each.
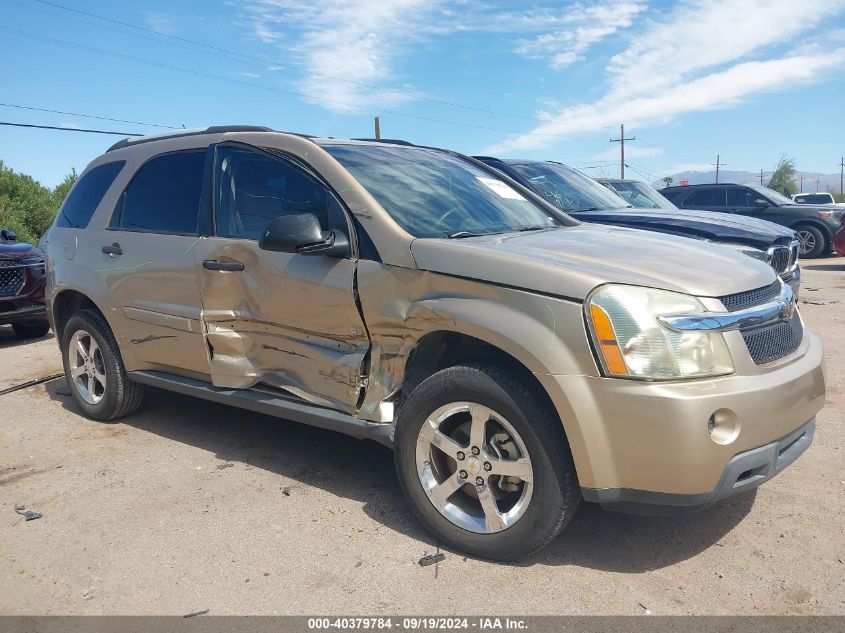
{"type": "Point", "coordinates": [807, 242]}
{"type": "Point", "coordinates": [474, 467]}
{"type": "Point", "coordinates": [87, 367]}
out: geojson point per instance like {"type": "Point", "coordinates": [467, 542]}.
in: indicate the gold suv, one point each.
{"type": "Point", "coordinates": [516, 360]}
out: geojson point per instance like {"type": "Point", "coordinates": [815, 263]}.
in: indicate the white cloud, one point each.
{"type": "Point", "coordinates": [696, 58]}
{"type": "Point", "coordinates": [350, 48]}
{"type": "Point", "coordinates": [583, 27]}
{"type": "Point", "coordinates": [342, 44]}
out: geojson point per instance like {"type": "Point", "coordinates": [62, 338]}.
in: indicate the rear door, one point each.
{"type": "Point", "coordinates": [283, 320]}
{"type": "Point", "coordinates": [146, 261]}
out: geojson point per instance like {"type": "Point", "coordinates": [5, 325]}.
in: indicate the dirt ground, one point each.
{"type": "Point", "coordinates": [189, 505]}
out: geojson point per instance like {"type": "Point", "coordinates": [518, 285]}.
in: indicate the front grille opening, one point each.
{"type": "Point", "coordinates": [772, 343]}
{"type": "Point", "coordinates": [751, 298]}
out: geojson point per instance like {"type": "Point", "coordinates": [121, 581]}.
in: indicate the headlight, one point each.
{"type": "Point", "coordinates": [756, 253]}
{"type": "Point", "coordinates": [631, 343]}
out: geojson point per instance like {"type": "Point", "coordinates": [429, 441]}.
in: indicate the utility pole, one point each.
{"type": "Point", "coordinates": [378, 128]}
{"type": "Point", "coordinates": [841, 173]}
{"type": "Point", "coordinates": [817, 185]}
{"type": "Point", "coordinates": [801, 179]}
{"type": "Point", "coordinates": [717, 164]}
{"type": "Point", "coordinates": [621, 140]}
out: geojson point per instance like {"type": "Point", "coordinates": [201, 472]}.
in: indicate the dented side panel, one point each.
{"type": "Point", "coordinates": [286, 321]}
{"type": "Point", "coordinates": [401, 306]}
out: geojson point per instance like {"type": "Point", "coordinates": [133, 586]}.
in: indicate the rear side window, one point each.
{"type": "Point", "coordinates": [164, 196]}
{"type": "Point", "coordinates": [83, 200]}
{"type": "Point", "coordinates": [814, 199]}
{"type": "Point", "coordinates": [706, 198]}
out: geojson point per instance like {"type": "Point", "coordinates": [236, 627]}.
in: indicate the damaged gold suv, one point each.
{"type": "Point", "coordinates": [516, 360]}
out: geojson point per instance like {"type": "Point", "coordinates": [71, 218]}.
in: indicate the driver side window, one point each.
{"type": "Point", "coordinates": [252, 189]}
{"type": "Point", "coordinates": [741, 197]}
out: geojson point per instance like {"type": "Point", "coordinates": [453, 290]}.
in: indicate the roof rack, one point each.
{"type": "Point", "coordinates": [214, 129]}
{"type": "Point", "coordinates": [389, 141]}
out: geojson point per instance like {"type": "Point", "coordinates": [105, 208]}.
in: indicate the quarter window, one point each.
{"type": "Point", "coordinates": [252, 189]}
{"type": "Point", "coordinates": [706, 198]}
{"type": "Point", "coordinates": [86, 195]}
{"type": "Point", "coordinates": [164, 195]}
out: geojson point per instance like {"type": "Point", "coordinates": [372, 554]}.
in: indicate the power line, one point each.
{"type": "Point", "coordinates": [199, 73]}
{"type": "Point", "coordinates": [86, 116]}
{"type": "Point", "coordinates": [69, 129]}
{"type": "Point", "coordinates": [265, 61]}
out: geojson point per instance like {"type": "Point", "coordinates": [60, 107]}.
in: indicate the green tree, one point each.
{"type": "Point", "coordinates": [668, 180]}
{"type": "Point", "coordinates": [28, 207]}
{"type": "Point", "coordinates": [783, 177]}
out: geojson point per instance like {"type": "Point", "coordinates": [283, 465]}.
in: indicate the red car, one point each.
{"type": "Point", "coordinates": [839, 239]}
{"type": "Point", "coordinates": [22, 287]}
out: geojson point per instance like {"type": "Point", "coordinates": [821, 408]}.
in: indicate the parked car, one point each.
{"type": "Point", "coordinates": [22, 287]}
{"type": "Point", "coordinates": [814, 225]}
{"type": "Point", "coordinates": [515, 359]}
{"type": "Point", "coordinates": [585, 199]}
{"type": "Point", "coordinates": [821, 197]}
{"type": "Point", "coordinates": [839, 239]}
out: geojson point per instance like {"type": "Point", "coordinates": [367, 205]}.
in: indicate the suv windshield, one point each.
{"type": "Point", "coordinates": [566, 188]}
{"type": "Point", "coordinates": [773, 196]}
{"type": "Point", "coordinates": [640, 195]}
{"type": "Point", "coordinates": [431, 193]}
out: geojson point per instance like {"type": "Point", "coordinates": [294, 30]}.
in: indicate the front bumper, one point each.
{"type": "Point", "coordinates": [744, 471]}
{"type": "Point", "coordinates": [654, 437]}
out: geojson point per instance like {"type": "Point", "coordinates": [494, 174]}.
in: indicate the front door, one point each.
{"type": "Point", "coordinates": [282, 320]}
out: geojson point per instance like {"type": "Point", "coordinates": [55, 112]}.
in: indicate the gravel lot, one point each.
{"type": "Point", "coordinates": [189, 505]}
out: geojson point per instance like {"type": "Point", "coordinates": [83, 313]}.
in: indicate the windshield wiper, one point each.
{"type": "Point", "coordinates": [462, 234]}
{"type": "Point", "coordinates": [587, 209]}
{"type": "Point", "coordinates": [535, 227]}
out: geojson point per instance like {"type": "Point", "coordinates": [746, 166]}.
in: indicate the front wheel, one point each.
{"type": "Point", "coordinates": [811, 242]}
{"type": "Point", "coordinates": [484, 463]}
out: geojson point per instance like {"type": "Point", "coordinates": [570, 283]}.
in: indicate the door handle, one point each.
{"type": "Point", "coordinates": [213, 264]}
{"type": "Point", "coordinates": [114, 250]}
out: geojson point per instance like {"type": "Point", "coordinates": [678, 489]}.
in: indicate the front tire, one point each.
{"type": "Point", "coordinates": [35, 329]}
{"type": "Point", "coordinates": [812, 242]}
{"type": "Point", "coordinates": [484, 463]}
{"type": "Point", "coordinates": [94, 368]}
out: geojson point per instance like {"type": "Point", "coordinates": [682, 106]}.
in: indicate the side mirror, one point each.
{"type": "Point", "coordinates": [759, 202]}
{"type": "Point", "coordinates": [302, 234]}
{"type": "Point", "coordinates": [8, 235]}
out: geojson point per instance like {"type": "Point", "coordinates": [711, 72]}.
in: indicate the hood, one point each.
{"type": "Point", "coordinates": [17, 250]}
{"type": "Point", "coordinates": [704, 225]}
{"type": "Point", "coordinates": [571, 261]}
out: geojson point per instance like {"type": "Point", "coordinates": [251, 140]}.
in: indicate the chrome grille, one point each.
{"type": "Point", "coordinates": [769, 343]}
{"type": "Point", "coordinates": [11, 279]}
{"type": "Point", "coordinates": [794, 250]}
{"type": "Point", "coordinates": [779, 257]}
{"type": "Point", "coordinates": [776, 341]}
{"type": "Point", "coordinates": [751, 298]}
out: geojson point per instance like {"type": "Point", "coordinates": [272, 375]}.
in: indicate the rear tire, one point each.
{"type": "Point", "coordinates": [812, 242]}
{"type": "Point", "coordinates": [450, 489]}
{"type": "Point", "coordinates": [35, 329]}
{"type": "Point", "coordinates": [94, 369]}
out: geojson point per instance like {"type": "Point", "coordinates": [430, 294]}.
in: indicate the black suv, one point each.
{"type": "Point", "coordinates": [815, 225]}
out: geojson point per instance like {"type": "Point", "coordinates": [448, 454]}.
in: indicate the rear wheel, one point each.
{"type": "Point", "coordinates": [811, 240]}
{"type": "Point", "coordinates": [94, 369]}
{"type": "Point", "coordinates": [35, 329]}
{"type": "Point", "coordinates": [484, 463]}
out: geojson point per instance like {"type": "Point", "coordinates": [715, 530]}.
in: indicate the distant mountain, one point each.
{"type": "Point", "coordinates": [825, 181]}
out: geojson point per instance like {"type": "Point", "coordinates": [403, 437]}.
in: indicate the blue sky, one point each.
{"type": "Point", "coordinates": [747, 79]}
